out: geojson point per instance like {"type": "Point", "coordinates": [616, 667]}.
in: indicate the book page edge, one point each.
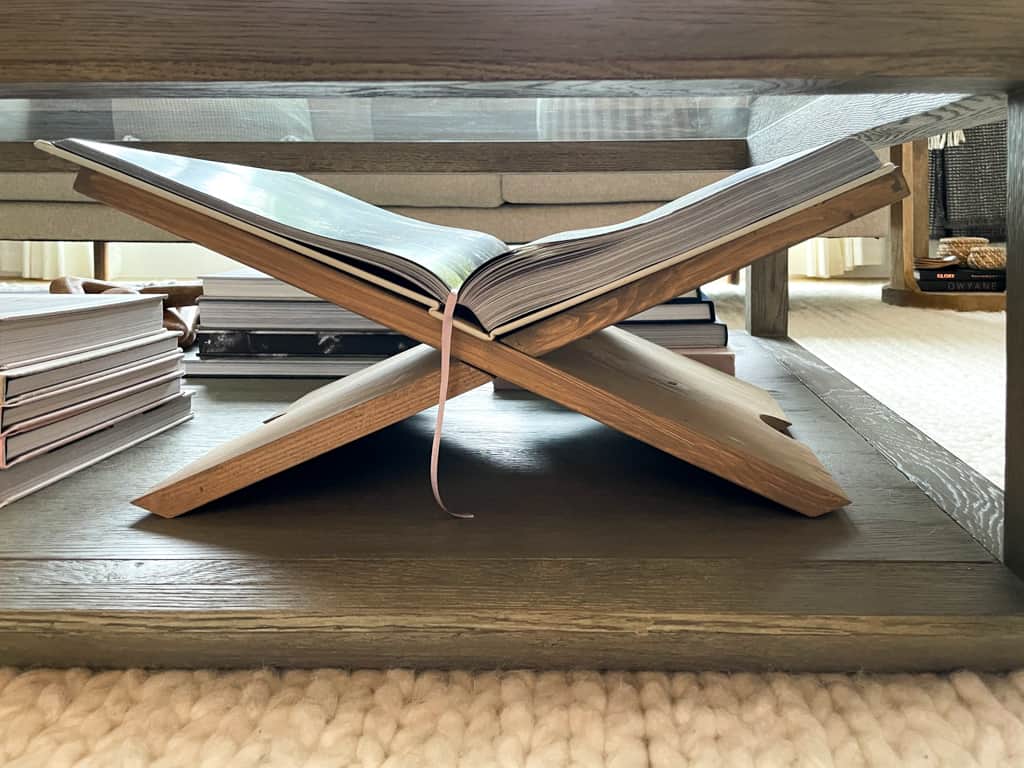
{"type": "Point", "coordinates": [291, 245]}
{"type": "Point", "coordinates": [555, 309]}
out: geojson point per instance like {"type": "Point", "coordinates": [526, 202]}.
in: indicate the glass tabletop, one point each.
{"type": "Point", "coordinates": [375, 118]}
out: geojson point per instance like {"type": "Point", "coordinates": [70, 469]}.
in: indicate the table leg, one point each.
{"type": "Point", "coordinates": [767, 306]}
{"type": "Point", "coordinates": [1013, 532]}
{"type": "Point", "coordinates": [99, 260]}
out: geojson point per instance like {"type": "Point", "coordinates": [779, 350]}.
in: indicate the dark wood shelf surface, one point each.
{"type": "Point", "coordinates": [589, 548]}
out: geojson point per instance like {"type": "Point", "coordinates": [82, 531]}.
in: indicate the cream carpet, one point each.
{"type": "Point", "coordinates": [396, 719]}
{"type": "Point", "coordinates": [943, 371]}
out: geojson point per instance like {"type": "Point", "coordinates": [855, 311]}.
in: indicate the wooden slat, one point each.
{"type": "Point", "coordinates": [908, 221]}
{"type": "Point", "coordinates": [640, 414]}
{"type": "Point", "coordinates": [624, 614]}
{"type": "Point", "coordinates": [1014, 508]}
{"type": "Point", "coordinates": [431, 156]}
{"type": "Point", "coordinates": [334, 415]}
{"type": "Point", "coordinates": [899, 279]}
{"type": "Point", "coordinates": [766, 310]}
{"type": "Point", "coordinates": [634, 297]}
{"type": "Point", "coordinates": [966, 301]}
{"type": "Point", "coordinates": [282, 40]}
{"type": "Point", "coordinates": [463, 89]}
{"type": "Point", "coordinates": [882, 120]}
{"type": "Point", "coordinates": [699, 415]}
{"type": "Point", "coordinates": [99, 259]}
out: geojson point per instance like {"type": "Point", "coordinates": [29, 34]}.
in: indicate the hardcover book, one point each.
{"type": "Point", "coordinates": [500, 287]}
{"type": "Point", "coordinates": [67, 370]}
{"type": "Point", "coordinates": [35, 436]}
{"type": "Point", "coordinates": [47, 468]}
{"type": "Point", "coordinates": [36, 327]}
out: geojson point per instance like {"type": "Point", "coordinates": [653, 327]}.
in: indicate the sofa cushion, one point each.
{"type": "Point", "coordinates": [52, 187]}
{"type": "Point", "coordinates": [875, 224]}
{"type": "Point", "coordinates": [653, 187]}
{"type": "Point", "coordinates": [22, 220]}
{"type": "Point", "coordinates": [74, 221]}
{"type": "Point", "coordinates": [431, 190]}
{"type": "Point", "coordinates": [521, 223]}
{"type": "Point", "coordinates": [435, 190]}
{"type": "Point", "coordinates": [619, 187]}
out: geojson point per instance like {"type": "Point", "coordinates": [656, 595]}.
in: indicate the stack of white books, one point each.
{"type": "Point", "coordinates": [82, 377]}
{"type": "Point", "coordinates": [253, 325]}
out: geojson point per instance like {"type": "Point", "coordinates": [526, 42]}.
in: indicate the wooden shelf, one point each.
{"type": "Point", "coordinates": [908, 241]}
{"type": "Point", "coordinates": [589, 549]}
{"type": "Point", "coordinates": [961, 302]}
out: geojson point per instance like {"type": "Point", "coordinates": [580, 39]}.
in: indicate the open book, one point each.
{"type": "Point", "coordinates": [500, 287]}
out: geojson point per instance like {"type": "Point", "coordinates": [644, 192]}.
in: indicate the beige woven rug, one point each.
{"type": "Point", "coordinates": [534, 720]}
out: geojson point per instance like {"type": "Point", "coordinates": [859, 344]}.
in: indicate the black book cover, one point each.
{"type": "Point", "coordinates": [270, 343]}
{"type": "Point", "coordinates": [963, 286]}
{"type": "Point", "coordinates": [959, 274]}
{"type": "Point", "coordinates": [687, 299]}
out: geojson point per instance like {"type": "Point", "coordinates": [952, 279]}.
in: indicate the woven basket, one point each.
{"type": "Point", "coordinates": [960, 246]}
{"type": "Point", "coordinates": [986, 257]}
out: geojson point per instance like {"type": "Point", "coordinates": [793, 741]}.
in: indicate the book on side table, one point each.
{"type": "Point", "coordinates": [532, 314]}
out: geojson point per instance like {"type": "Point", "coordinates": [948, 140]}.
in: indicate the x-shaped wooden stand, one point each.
{"type": "Point", "coordinates": [700, 415]}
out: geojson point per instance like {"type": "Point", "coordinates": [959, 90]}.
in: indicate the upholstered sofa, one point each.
{"type": "Point", "coordinates": [515, 206]}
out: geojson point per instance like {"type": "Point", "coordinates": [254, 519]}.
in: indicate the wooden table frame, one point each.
{"type": "Point", "coordinates": [832, 47]}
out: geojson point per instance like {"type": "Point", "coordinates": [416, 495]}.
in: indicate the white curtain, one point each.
{"type": "Point", "coordinates": [835, 256]}
{"type": "Point", "coordinates": [45, 261]}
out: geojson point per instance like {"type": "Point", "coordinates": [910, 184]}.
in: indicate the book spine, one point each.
{"type": "Point", "coordinates": [646, 316]}
{"type": "Point", "coordinates": [243, 343]}
{"type": "Point", "coordinates": [959, 275]}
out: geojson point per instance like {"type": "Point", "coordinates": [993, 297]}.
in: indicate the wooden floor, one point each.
{"type": "Point", "coordinates": [589, 549]}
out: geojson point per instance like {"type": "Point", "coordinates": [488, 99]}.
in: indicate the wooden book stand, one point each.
{"type": "Point", "coordinates": [705, 417]}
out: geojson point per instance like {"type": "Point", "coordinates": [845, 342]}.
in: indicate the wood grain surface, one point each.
{"type": "Point", "coordinates": [783, 471]}
{"type": "Point", "coordinates": [766, 309]}
{"type": "Point", "coordinates": [504, 456]}
{"type": "Point", "coordinates": [334, 415]}
{"type": "Point", "coordinates": [622, 558]}
{"type": "Point", "coordinates": [780, 126]}
{"type": "Point", "coordinates": [462, 89]}
{"type": "Point", "coordinates": [1014, 526]}
{"type": "Point", "coordinates": [279, 40]}
{"type": "Point", "coordinates": [966, 301]}
{"type": "Point", "coordinates": [700, 415]}
{"type": "Point", "coordinates": [431, 156]}
{"type": "Point", "coordinates": [967, 496]}
{"type": "Point", "coordinates": [908, 221]}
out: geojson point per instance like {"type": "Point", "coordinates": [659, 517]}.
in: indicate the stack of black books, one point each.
{"type": "Point", "coordinates": [253, 325]}
{"type": "Point", "coordinates": [961, 278]}
{"type": "Point", "coordinates": [687, 325]}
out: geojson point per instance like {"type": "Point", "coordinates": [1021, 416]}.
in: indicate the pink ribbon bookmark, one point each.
{"type": "Point", "coordinates": [442, 398]}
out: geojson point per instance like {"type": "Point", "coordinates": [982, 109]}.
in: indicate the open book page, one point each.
{"type": "Point", "coordinates": [500, 288]}
{"type": "Point", "coordinates": [433, 258]}
{"type": "Point", "coordinates": [554, 269]}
